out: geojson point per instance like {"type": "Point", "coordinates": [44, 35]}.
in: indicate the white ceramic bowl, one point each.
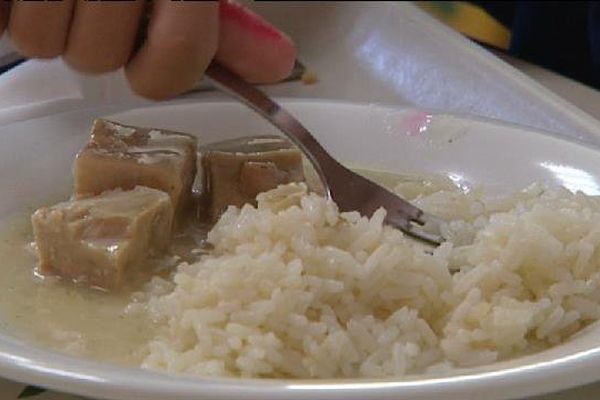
{"type": "Point", "coordinates": [36, 157]}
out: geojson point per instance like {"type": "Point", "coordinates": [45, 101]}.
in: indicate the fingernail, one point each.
{"type": "Point", "coordinates": [249, 21]}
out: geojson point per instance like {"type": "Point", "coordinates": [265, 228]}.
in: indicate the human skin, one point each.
{"type": "Point", "coordinates": [180, 41]}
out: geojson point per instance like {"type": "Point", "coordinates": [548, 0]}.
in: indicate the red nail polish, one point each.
{"type": "Point", "coordinates": [248, 20]}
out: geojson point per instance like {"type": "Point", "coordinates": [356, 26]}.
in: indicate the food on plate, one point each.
{"type": "Point", "coordinates": [116, 220]}
{"type": "Point", "coordinates": [284, 285]}
{"type": "Point", "coordinates": [236, 171]}
{"type": "Point", "coordinates": [97, 240]}
{"type": "Point", "coordinates": [121, 156]}
{"type": "Point", "coordinates": [294, 288]}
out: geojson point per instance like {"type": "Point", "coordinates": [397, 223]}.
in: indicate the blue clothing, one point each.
{"type": "Point", "coordinates": [558, 35]}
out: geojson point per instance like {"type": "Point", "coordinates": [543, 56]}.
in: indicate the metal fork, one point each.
{"type": "Point", "coordinates": [351, 192]}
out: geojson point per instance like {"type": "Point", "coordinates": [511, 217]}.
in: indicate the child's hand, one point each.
{"type": "Point", "coordinates": [181, 40]}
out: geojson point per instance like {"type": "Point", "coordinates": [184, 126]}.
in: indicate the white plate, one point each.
{"type": "Point", "coordinates": [36, 157]}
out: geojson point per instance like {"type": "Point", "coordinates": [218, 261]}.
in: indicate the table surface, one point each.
{"type": "Point", "coordinates": [584, 97]}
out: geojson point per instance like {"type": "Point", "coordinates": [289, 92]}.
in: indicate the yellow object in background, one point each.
{"type": "Point", "coordinates": [469, 20]}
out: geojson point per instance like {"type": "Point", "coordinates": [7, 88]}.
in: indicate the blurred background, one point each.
{"type": "Point", "coordinates": [561, 36]}
{"type": "Point", "coordinates": [392, 53]}
{"type": "Point", "coordinates": [471, 20]}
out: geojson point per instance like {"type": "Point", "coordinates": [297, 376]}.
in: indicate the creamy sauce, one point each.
{"type": "Point", "coordinates": [72, 318]}
{"type": "Point", "coordinates": [62, 315]}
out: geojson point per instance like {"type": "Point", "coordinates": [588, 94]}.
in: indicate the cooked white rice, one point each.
{"type": "Point", "coordinates": [296, 289]}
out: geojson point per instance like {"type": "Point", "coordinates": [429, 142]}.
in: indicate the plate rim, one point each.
{"type": "Point", "coordinates": [51, 369]}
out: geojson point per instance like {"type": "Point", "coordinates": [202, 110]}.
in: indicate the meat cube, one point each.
{"type": "Point", "coordinates": [119, 156]}
{"type": "Point", "coordinates": [97, 240]}
{"type": "Point", "coordinates": [235, 171]}
{"type": "Point", "coordinates": [260, 176]}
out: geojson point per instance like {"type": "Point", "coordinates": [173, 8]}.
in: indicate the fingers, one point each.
{"type": "Point", "coordinates": [252, 47]}
{"type": "Point", "coordinates": [39, 28]}
{"type": "Point", "coordinates": [3, 16]}
{"type": "Point", "coordinates": [102, 34]}
{"type": "Point", "coordinates": [181, 41]}
{"type": "Point", "coordinates": [182, 38]}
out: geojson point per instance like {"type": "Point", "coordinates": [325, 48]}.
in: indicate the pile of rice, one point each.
{"type": "Point", "coordinates": [295, 288]}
